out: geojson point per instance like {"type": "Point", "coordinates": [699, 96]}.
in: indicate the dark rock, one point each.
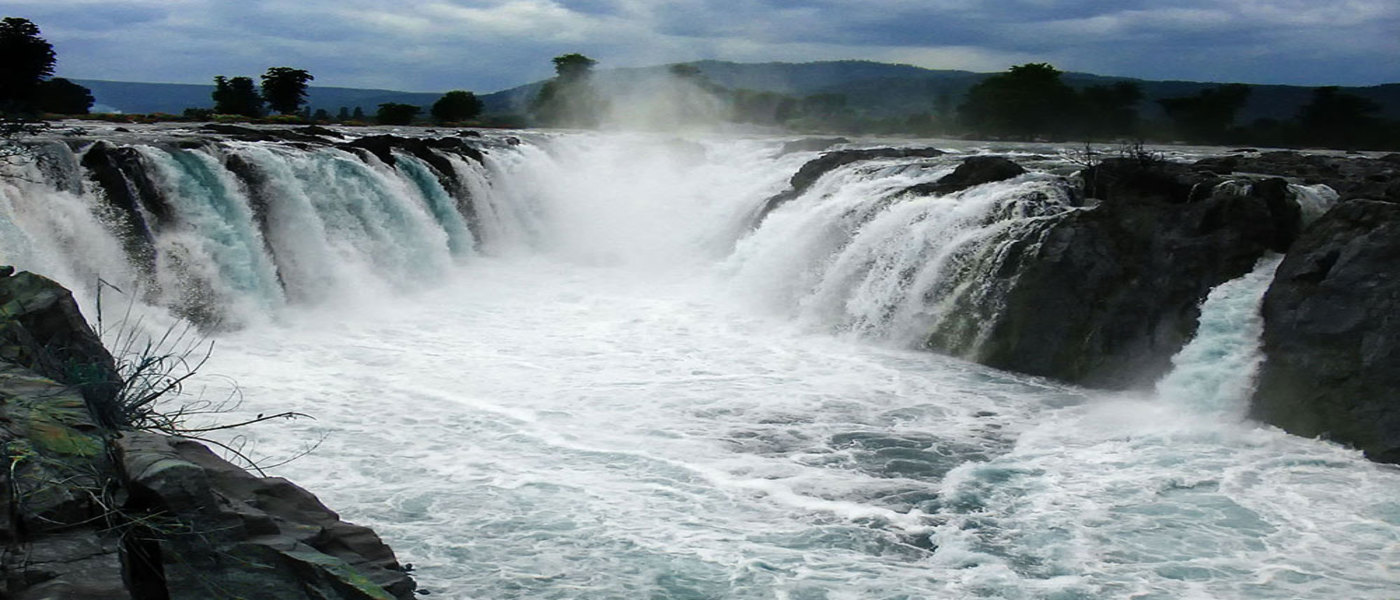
{"type": "Point", "coordinates": [383, 147]}
{"type": "Point", "coordinates": [246, 535]}
{"type": "Point", "coordinates": [309, 134]}
{"type": "Point", "coordinates": [826, 163]}
{"type": "Point", "coordinates": [191, 525]}
{"type": "Point", "coordinates": [1332, 332]}
{"type": "Point", "coordinates": [121, 176]}
{"type": "Point", "coordinates": [1106, 296]}
{"type": "Point", "coordinates": [43, 330]}
{"type": "Point", "coordinates": [319, 131]}
{"type": "Point", "coordinates": [1129, 180]}
{"type": "Point", "coordinates": [55, 461]}
{"type": "Point", "coordinates": [1350, 176]}
{"type": "Point", "coordinates": [974, 171]}
{"type": "Point", "coordinates": [468, 133]}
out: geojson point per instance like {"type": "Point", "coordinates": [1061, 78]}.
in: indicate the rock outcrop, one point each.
{"type": "Point", "coordinates": [974, 171]}
{"type": "Point", "coordinates": [1105, 296]}
{"type": "Point", "coordinates": [1332, 332]}
{"type": "Point", "coordinates": [95, 510]}
{"type": "Point", "coordinates": [830, 161]}
{"type": "Point", "coordinates": [1350, 176]}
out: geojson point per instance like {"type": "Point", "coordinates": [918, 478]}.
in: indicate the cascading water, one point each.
{"type": "Point", "coordinates": [1215, 372]}
{"type": "Point", "coordinates": [577, 399]}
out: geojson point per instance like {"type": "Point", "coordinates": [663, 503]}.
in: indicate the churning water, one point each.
{"type": "Point", "coordinates": [611, 387]}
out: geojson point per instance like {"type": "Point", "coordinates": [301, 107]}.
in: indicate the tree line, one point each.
{"type": "Point", "coordinates": [28, 90]}
{"type": "Point", "coordinates": [283, 90]}
{"type": "Point", "coordinates": [1026, 102]}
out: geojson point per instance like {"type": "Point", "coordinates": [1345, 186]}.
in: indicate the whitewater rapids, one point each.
{"type": "Point", "coordinates": [623, 393]}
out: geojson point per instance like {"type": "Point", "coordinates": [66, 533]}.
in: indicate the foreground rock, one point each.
{"type": "Point", "coordinates": [1332, 332]}
{"type": "Point", "coordinates": [96, 511]}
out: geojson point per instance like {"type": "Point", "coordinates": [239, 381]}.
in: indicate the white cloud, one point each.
{"type": "Point", "coordinates": [492, 44]}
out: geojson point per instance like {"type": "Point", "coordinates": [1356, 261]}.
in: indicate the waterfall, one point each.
{"type": "Point", "coordinates": [858, 254]}
{"type": "Point", "coordinates": [238, 230]}
{"type": "Point", "coordinates": [1214, 373]}
{"type": "Point", "coordinates": [536, 371]}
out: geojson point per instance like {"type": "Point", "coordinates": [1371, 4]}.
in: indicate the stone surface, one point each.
{"type": "Point", "coordinates": [830, 161]}
{"type": "Point", "coordinates": [974, 170]}
{"type": "Point", "coordinates": [1351, 176]}
{"type": "Point", "coordinates": [41, 328]}
{"type": "Point", "coordinates": [1332, 332]}
{"type": "Point", "coordinates": [225, 529]}
{"type": "Point", "coordinates": [1104, 297]}
{"type": "Point", "coordinates": [168, 519]}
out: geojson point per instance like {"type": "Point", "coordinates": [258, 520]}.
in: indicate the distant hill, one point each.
{"type": "Point", "coordinates": [883, 90]}
{"type": "Point", "coordinates": [873, 89]}
{"type": "Point", "coordinates": [174, 98]}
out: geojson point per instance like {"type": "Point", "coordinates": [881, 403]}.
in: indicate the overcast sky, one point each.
{"type": "Point", "coordinates": [488, 45]}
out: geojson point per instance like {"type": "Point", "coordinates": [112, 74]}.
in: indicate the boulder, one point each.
{"type": "Point", "coordinates": [90, 510]}
{"type": "Point", "coordinates": [58, 544]}
{"type": "Point", "coordinates": [219, 528]}
{"type": "Point", "coordinates": [42, 329]}
{"type": "Point", "coordinates": [1332, 332]}
{"type": "Point", "coordinates": [974, 171]}
{"type": "Point", "coordinates": [1350, 176]}
{"type": "Point", "coordinates": [830, 161]}
{"type": "Point", "coordinates": [1107, 295]}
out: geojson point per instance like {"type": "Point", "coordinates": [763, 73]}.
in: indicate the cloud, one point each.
{"type": "Point", "coordinates": [484, 45]}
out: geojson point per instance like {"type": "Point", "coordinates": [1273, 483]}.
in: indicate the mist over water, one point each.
{"type": "Point", "coordinates": [613, 385]}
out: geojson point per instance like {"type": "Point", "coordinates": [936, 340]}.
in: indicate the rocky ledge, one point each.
{"type": "Point", "coordinates": [94, 509]}
{"type": "Point", "coordinates": [1332, 332]}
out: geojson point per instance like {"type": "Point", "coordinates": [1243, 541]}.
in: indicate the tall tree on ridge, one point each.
{"type": "Point", "coordinates": [27, 61]}
{"type": "Point", "coordinates": [284, 89]}
{"type": "Point", "coordinates": [1207, 116]}
{"type": "Point", "coordinates": [1024, 102]}
{"type": "Point", "coordinates": [237, 96]}
{"type": "Point", "coordinates": [456, 105]}
{"type": "Point", "coordinates": [569, 99]}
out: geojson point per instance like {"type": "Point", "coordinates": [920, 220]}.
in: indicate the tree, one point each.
{"type": "Point", "coordinates": [343, 115]}
{"type": "Point", "coordinates": [573, 67]}
{"type": "Point", "coordinates": [1208, 115]}
{"type": "Point", "coordinates": [27, 60]}
{"type": "Point", "coordinates": [393, 113]}
{"type": "Point", "coordinates": [1111, 110]}
{"type": "Point", "coordinates": [64, 97]}
{"type": "Point", "coordinates": [358, 115]}
{"type": "Point", "coordinates": [1024, 102]}
{"type": "Point", "coordinates": [456, 105]}
{"type": "Point", "coordinates": [237, 96]}
{"type": "Point", "coordinates": [569, 99]}
{"type": "Point", "coordinates": [1338, 120]}
{"type": "Point", "coordinates": [284, 89]}
{"type": "Point", "coordinates": [321, 116]}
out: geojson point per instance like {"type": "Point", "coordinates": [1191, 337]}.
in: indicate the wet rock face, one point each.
{"type": "Point", "coordinates": [826, 163]}
{"type": "Point", "coordinates": [227, 530]}
{"type": "Point", "coordinates": [1351, 177]}
{"type": "Point", "coordinates": [1105, 296]}
{"type": "Point", "coordinates": [1332, 332]}
{"type": "Point", "coordinates": [974, 171]}
{"type": "Point", "coordinates": [43, 330]}
{"type": "Point", "coordinates": [92, 510]}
